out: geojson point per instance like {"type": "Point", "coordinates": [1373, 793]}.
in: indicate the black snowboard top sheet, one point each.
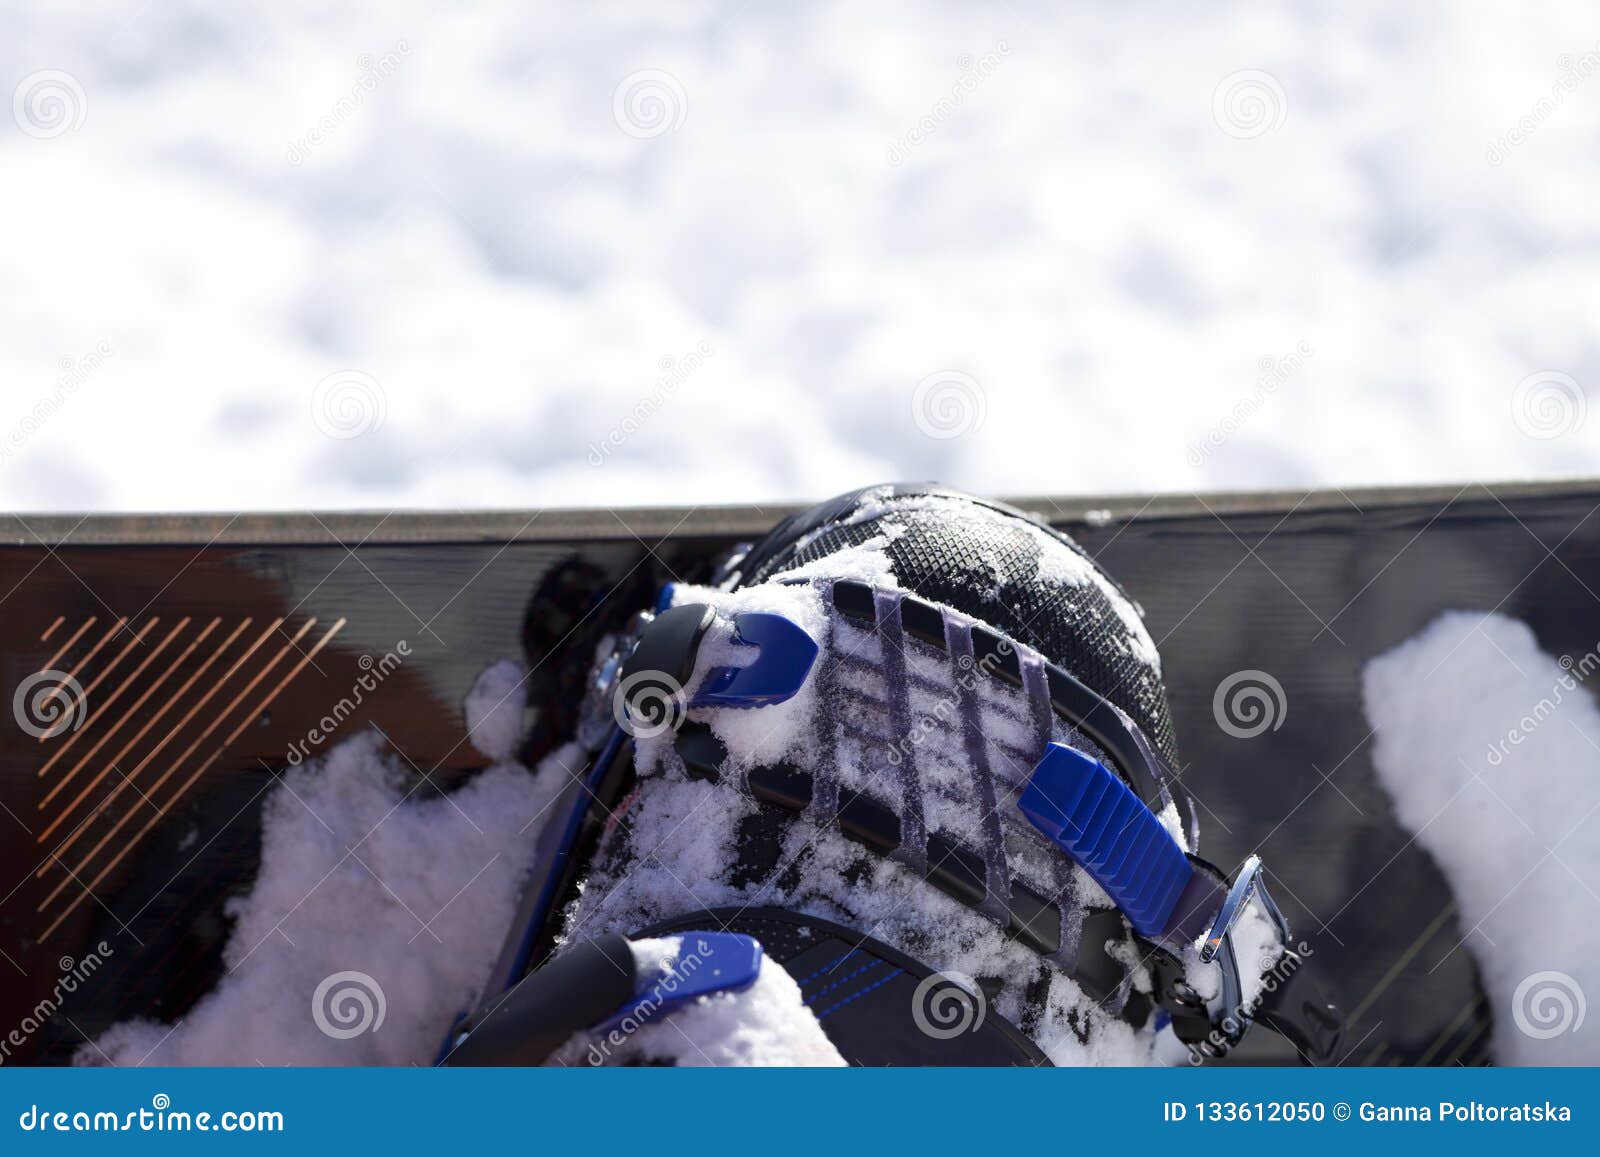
{"type": "Point", "coordinates": [209, 646]}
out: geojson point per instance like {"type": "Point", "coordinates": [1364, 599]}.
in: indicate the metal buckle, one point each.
{"type": "Point", "coordinates": [1247, 884]}
{"type": "Point", "coordinates": [596, 719]}
{"type": "Point", "coordinates": [1231, 1017]}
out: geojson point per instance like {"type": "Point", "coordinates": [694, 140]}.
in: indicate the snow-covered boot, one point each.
{"type": "Point", "coordinates": [896, 787]}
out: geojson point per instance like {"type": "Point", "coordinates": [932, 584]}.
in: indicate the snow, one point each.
{"type": "Point", "coordinates": [375, 916]}
{"type": "Point", "coordinates": [1257, 947]}
{"type": "Point", "coordinates": [494, 709]}
{"type": "Point", "coordinates": [1490, 749]}
{"type": "Point", "coordinates": [772, 733]}
{"type": "Point", "coordinates": [867, 562]}
{"type": "Point", "coordinates": [766, 1024]}
{"type": "Point", "coordinates": [1069, 568]}
{"type": "Point", "coordinates": [1104, 271]}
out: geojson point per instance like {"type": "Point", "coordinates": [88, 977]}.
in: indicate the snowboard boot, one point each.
{"type": "Point", "coordinates": [914, 747]}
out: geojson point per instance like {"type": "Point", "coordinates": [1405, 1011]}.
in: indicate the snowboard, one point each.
{"type": "Point", "coordinates": [161, 672]}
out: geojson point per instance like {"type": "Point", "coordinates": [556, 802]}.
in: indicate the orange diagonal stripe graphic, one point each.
{"type": "Point", "coordinates": [116, 661]}
{"type": "Point", "coordinates": [97, 710]}
{"type": "Point", "coordinates": [72, 676]}
{"type": "Point", "coordinates": [184, 787]}
{"type": "Point", "coordinates": [67, 646]}
{"type": "Point", "coordinates": [216, 720]}
{"type": "Point", "coordinates": [132, 713]}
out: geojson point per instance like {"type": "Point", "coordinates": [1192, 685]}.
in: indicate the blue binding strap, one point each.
{"type": "Point", "coordinates": [1083, 808]}
{"type": "Point", "coordinates": [785, 654]}
{"type": "Point", "coordinates": [707, 963]}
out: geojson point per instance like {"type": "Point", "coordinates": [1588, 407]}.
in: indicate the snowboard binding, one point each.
{"type": "Point", "coordinates": [918, 629]}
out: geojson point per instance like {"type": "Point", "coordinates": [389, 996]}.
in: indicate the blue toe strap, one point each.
{"type": "Point", "coordinates": [707, 963]}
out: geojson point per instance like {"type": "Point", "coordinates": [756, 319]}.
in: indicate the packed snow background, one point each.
{"type": "Point", "coordinates": [1487, 746]}
{"type": "Point", "coordinates": [324, 255]}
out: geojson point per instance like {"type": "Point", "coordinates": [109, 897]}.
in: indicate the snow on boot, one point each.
{"type": "Point", "coordinates": [914, 748]}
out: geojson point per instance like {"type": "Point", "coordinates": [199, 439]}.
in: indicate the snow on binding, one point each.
{"type": "Point", "coordinates": [859, 726]}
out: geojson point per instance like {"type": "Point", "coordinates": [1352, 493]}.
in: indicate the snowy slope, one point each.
{"type": "Point", "coordinates": [333, 255]}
